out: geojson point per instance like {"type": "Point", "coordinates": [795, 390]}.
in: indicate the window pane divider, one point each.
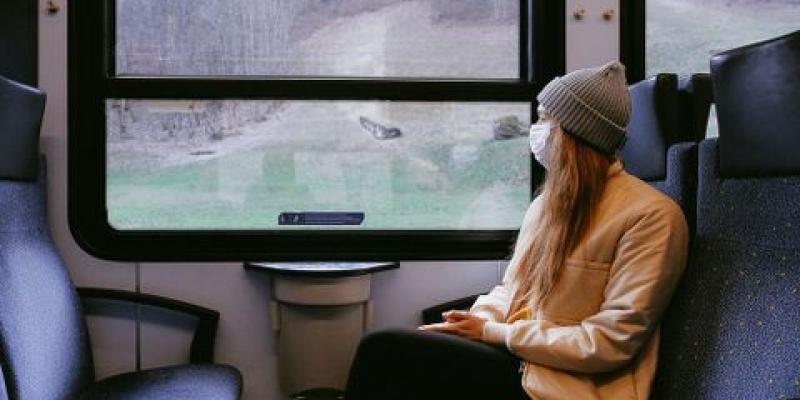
{"type": "Point", "coordinates": [320, 89]}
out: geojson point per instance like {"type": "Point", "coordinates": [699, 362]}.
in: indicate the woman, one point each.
{"type": "Point", "coordinates": [598, 256]}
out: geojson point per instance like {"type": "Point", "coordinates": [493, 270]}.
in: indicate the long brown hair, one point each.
{"type": "Point", "coordinates": [575, 179]}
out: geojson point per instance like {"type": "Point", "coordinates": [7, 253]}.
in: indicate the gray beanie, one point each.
{"type": "Point", "coordinates": [592, 104]}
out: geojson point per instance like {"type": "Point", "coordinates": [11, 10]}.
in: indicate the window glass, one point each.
{"type": "Point", "coordinates": [682, 35]}
{"type": "Point", "coordinates": [241, 164]}
{"type": "Point", "coordinates": [351, 38]}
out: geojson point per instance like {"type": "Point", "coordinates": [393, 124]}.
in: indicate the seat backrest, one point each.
{"type": "Point", "coordinates": [694, 101]}
{"type": "Point", "coordinates": [44, 348]}
{"type": "Point", "coordinates": [659, 150]}
{"type": "Point", "coordinates": [753, 85]}
{"type": "Point", "coordinates": [733, 328]}
{"type": "Point", "coordinates": [653, 127]}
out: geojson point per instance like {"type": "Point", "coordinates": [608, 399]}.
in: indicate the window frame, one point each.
{"type": "Point", "coordinates": [632, 37]}
{"type": "Point", "coordinates": [92, 80]}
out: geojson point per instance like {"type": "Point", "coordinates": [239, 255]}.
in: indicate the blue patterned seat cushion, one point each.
{"type": "Point", "coordinates": [733, 328]}
{"type": "Point", "coordinates": [44, 347]}
{"type": "Point", "coordinates": [680, 183]}
{"type": "Point", "coordinates": [196, 382]}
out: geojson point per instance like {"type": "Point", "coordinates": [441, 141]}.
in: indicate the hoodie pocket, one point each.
{"type": "Point", "coordinates": [580, 291]}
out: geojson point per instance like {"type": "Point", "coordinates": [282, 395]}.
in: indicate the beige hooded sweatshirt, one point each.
{"type": "Point", "coordinates": [596, 337]}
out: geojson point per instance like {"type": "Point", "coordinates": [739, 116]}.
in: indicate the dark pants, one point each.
{"type": "Point", "coordinates": [406, 364]}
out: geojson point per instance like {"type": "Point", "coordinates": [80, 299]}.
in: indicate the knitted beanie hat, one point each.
{"type": "Point", "coordinates": [591, 104]}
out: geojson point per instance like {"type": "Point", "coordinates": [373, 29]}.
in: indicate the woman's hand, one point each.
{"type": "Point", "coordinates": [459, 323]}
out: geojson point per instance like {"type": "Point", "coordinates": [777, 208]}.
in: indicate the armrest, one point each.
{"type": "Point", "coordinates": [202, 348]}
{"type": "Point", "coordinates": [433, 314]}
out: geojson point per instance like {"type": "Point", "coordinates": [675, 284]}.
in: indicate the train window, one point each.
{"type": "Point", "coordinates": [354, 38]}
{"type": "Point", "coordinates": [682, 35]}
{"type": "Point", "coordinates": [305, 129]}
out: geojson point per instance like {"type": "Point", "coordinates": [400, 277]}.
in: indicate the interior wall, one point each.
{"type": "Point", "coordinates": [113, 327]}
{"type": "Point", "coordinates": [591, 40]}
{"type": "Point", "coordinates": [245, 338]}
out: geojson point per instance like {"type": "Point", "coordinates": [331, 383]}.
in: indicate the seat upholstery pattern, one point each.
{"type": "Point", "coordinates": [732, 329]}
{"type": "Point", "coordinates": [195, 382]}
{"type": "Point", "coordinates": [3, 392]}
{"type": "Point", "coordinates": [680, 182]}
{"type": "Point", "coordinates": [44, 348]}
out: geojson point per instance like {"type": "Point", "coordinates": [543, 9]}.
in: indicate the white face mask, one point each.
{"type": "Point", "coordinates": [539, 134]}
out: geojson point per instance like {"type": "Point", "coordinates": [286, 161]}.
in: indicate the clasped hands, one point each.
{"type": "Point", "coordinates": [459, 323]}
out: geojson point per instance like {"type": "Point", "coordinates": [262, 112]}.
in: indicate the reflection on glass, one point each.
{"type": "Point", "coordinates": [682, 35]}
{"type": "Point", "coordinates": [712, 130]}
{"type": "Point", "coordinates": [359, 38]}
{"type": "Point", "coordinates": [177, 164]}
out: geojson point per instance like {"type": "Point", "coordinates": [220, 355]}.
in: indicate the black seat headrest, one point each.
{"type": "Point", "coordinates": [653, 126]}
{"type": "Point", "coordinates": [757, 92]}
{"type": "Point", "coordinates": [695, 97]}
{"type": "Point", "coordinates": [21, 110]}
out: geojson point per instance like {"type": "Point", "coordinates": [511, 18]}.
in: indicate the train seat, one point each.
{"type": "Point", "coordinates": [44, 344]}
{"type": "Point", "coordinates": [733, 328]}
